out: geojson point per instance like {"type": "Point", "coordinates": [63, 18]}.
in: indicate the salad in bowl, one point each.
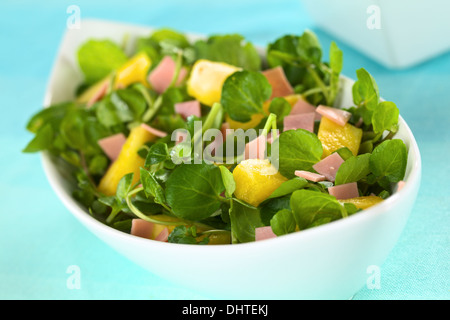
{"type": "Point", "coordinates": [216, 142]}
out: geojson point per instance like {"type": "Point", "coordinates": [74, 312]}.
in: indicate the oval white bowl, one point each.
{"type": "Point", "coordinates": [332, 261]}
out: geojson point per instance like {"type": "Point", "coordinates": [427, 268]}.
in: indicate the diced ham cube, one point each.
{"type": "Point", "coordinates": [154, 131]}
{"type": "Point", "coordinates": [141, 228]}
{"type": "Point", "coordinates": [302, 106]}
{"type": "Point", "coordinates": [161, 77]}
{"type": "Point", "coordinates": [263, 233]}
{"type": "Point", "coordinates": [299, 121]}
{"type": "Point", "coordinates": [188, 108]}
{"type": "Point", "coordinates": [99, 94]}
{"type": "Point", "coordinates": [112, 145]}
{"type": "Point", "coordinates": [338, 116]}
{"type": "Point", "coordinates": [314, 177]}
{"type": "Point", "coordinates": [280, 84]}
{"type": "Point", "coordinates": [163, 235]}
{"type": "Point", "coordinates": [256, 148]}
{"type": "Point", "coordinates": [329, 166]}
{"type": "Point", "coordinates": [344, 191]}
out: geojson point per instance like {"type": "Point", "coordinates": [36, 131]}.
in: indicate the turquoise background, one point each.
{"type": "Point", "coordinates": [39, 238]}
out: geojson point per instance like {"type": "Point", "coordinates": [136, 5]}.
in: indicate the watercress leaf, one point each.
{"type": "Point", "coordinates": [134, 101]}
{"type": "Point", "coordinates": [151, 186]}
{"type": "Point", "coordinates": [157, 153]}
{"type": "Point", "coordinates": [309, 48]}
{"type": "Point", "coordinates": [298, 150]}
{"type": "Point", "coordinates": [244, 220]}
{"type": "Point", "coordinates": [344, 153]}
{"type": "Point", "coordinates": [385, 117]}
{"type": "Point", "coordinates": [186, 235]}
{"type": "Point", "coordinates": [365, 94]}
{"type": "Point", "coordinates": [106, 113]}
{"type": "Point", "coordinates": [353, 169]}
{"type": "Point", "coordinates": [42, 140]}
{"type": "Point", "coordinates": [124, 186]}
{"type": "Point", "coordinates": [280, 107]}
{"type": "Point", "coordinates": [170, 36]}
{"type": "Point", "coordinates": [231, 49]}
{"type": "Point", "coordinates": [336, 58]}
{"type": "Point", "coordinates": [311, 206]}
{"type": "Point", "coordinates": [270, 207]}
{"type": "Point", "coordinates": [193, 190]}
{"type": "Point", "coordinates": [98, 58]}
{"type": "Point", "coordinates": [389, 159]}
{"type": "Point", "coordinates": [228, 181]}
{"type": "Point", "coordinates": [288, 187]}
{"type": "Point", "coordinates": [280, 52]}
{"type": "Point", "coordinates": [51, 115]}
{"type": "Point", "coordinates": [283, 222]}
{"type": "Point", "coordinates": [243, 94]}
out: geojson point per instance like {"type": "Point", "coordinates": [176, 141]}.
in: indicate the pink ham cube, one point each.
{"type": "Point", "coordinates": [188, 108]}
{"type": "Point", "coordinates": [256, 148]}
{"type": "Point", "coordinates": [161, 77]}
{"type": "Point", "coordinates": [344, 191]}
{"type": "Point", "coordinates": [302, 106]}
{"type": "Point", "coordinates": [112, 145]}
{"type": "Point", "coordinates": [299, 121]}
{"type": "Point", "coordinates": [338, 116]}
{"type": "Point", "coordinates": [263, 233]}
{"type": "Point", "coordinates": [154, 131]}
{"type": "Point", "coordinates": [329, 166]}
{"type": "Point", "coordinates": [280, 84]}
{"type": "Point", "coordinates": [141, 228]}
{"type": "Point", "coordinates": [314, 177]}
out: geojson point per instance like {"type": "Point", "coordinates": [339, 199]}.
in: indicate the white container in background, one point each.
{"type": "Point", "coordinates": [396, 33]}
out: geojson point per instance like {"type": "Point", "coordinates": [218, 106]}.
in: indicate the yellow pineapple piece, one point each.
{"type": "Point", "coordinates": [255, 180]}
{"type": "Point", "coordinates": [334, 137]}
{"type": "Point", "coordinates": [363, 202]}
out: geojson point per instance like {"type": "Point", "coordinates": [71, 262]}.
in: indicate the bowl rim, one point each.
{"type": "Point", "coordinates": [83, 216]}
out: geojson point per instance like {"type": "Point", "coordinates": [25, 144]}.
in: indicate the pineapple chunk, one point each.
{"type": "Point", "coordinates": [255, 180]}
{"type": "Point", "coordinates": [135, 70]}
{"type": "Point", "coordinates": [206, 80]}
{"type": "Point", "coordinates": [363, 202]}
{"type": "Point", "coordinates": [128, 161]}
{"type": "Point", "coordinates": [334, 137]}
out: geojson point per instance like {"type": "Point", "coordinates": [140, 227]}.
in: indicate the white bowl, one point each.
{"type": "Point", "coordinates": [398, 34]}
{"type": "Point", "coordinates": [326, 262]}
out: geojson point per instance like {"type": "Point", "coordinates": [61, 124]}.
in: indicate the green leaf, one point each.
{"type": "Point", "coordinates": [228, 181]}
{"type": "Point", "coordinates": [353, 169]}
{"type": "Point", "coordinates": [309, 48]}
{"type": "Point", "coordinates": [151, 187]}
{"type": "Point", "coordinates": [244, 93]}
{"type": "Point", "coordinates": [288, 187]}
{"type": "Point", "coordinates": [193, 191]}
{"type": "Point", "coordinates": [98, 58]}
{"type": "Point", "coordinates": [389, 160]}
{"type": "Point", "coordinates": [124, 186]}
{"type": "Point", "coordinates": [270, 207]}
{"type": "Point", "coordinates": [344, 153]}
{"type": "Point", "coordinates": [309, 207]}
{"type": "Point", "coordinates": [385, 117]}
{"type": "Point", "coordinates": [231, 49]}
{"type": "Point", "coordinates": [186, 235]}
{"type": "Point", "coordinates": [244, 220]}
{"type": "Point", "coordinates": [283, 222]}
{"type": "Point", "coordinates": [280, 107]}
{"type": "Point", "coordinates": [157, 153]}
{"type": "Point", "coordinates": [298, 150]}
{"type": "Point", "coordinates": [365, 94]}
{"type": "Point", "coordinates": [336, 58]}
{"type": "Point", "coordinates": [42, 140]}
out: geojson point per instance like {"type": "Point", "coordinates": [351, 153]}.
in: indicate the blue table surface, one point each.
{"type": "Point", "coordinates": [40, 239]}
